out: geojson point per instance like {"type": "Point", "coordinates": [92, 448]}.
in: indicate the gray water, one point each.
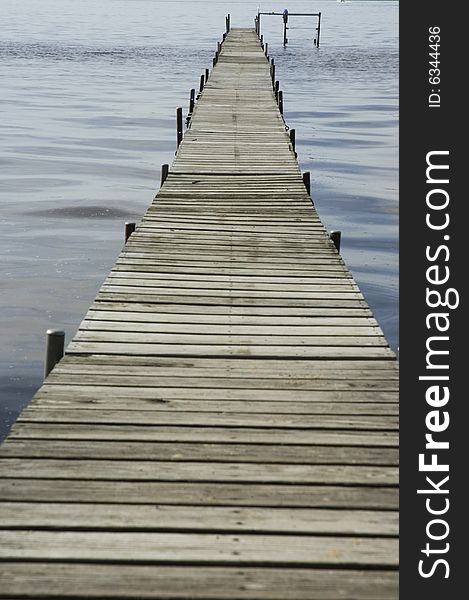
{"type": "Point", "coordinates": [87, 105]}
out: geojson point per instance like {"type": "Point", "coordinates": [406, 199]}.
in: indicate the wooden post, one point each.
{"type": "Point", "coordinates": [293, 139]}
{"type": "Point", "coordinates": [272, 71]}
{"type": "Point", "coordinates": [215, 59]}
{"type": "Point", "coordinates": [277, 87]}
{"type": "Point", "coordinates": [164, 173]}
{"type": "Point", "coordinates": [335, 236]}
{"type": "Point", "coordinates": [285, 21]}
{"type": "Point", "coordinates": [228, 23]}
{"type": "Point", "coordinates": [201, 84]}
{"type": "Point", "coordinates": [207, 73]}
{"type": "Point", "coordinates": [318, 30]}
{"type": "Point", "coordinates": [191, 101]}
{"type": "Point", "coordinates": [259, 24]}
{"type": "Point", "coordinates": [280, 101]}
{"type": "Point", "coordinates": [307, 182]}
{"type": "Point", "coordinates": [218, 47]}
{"type": "Point", "coordinates": [129, 229]}
{"type": "Point", "coordinates": [262, 41]}
{"type": "Point", "coordinates": [55, 342]}
{"type": "Point", "coordinates": [266, 50]}
{"type": "Point", "coordinates": [178, 125]}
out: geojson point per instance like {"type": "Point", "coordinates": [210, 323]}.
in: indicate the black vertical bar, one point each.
{"type": "Point", "coordinates": [307, 182]}
{"type": "Point", "coordinates": [129, 229]}
{"type": "Point", "coordinates": [178, 125]}
{"type": "Point", "coordinates": [164, 173]}
{"type": "Point", "coordinates": [191, 101]}
{"type": "Point", "coordinates": [293, 139]}
{"type": "Point", "coordinates": [319, 30]}
{"type": "Point", "coordinates": [335, 237]}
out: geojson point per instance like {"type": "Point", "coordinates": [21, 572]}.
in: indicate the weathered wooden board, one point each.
{"type": "Point", "coordinates": [166, 517]}
{"type": "Point", "coordinates": [67, 580]}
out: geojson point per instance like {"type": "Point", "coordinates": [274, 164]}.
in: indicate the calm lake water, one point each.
{"type": "Point", "coordinates": [89, 90]}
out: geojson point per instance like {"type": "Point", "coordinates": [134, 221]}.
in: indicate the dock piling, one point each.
{"type": "Point", "coordinates": [202, 83]}
{"type": "Point", "coordinates": [318, 29]}
{"type": "Point", "coordinates": [280, 101]}
{"type": "Point", "coordinates": [179, 130]}
{"type": "Point", "coordinates": [55, 342]}
{"type": "Point", "coordinates": [307, 182]}
{"type": "Point", "coordinates": [164, 173]}
{"type": "Point", "coordinates": [128, 230]}
{"type": "Point", "coordinates": [335, 237]}
{"type": "Point", "coordinates": [191, 105]}
{"type": "Point", "coordinates": [293, 140]}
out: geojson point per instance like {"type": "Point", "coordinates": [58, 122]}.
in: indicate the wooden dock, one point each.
{"type": "Point", "coordinates": [224, 423]}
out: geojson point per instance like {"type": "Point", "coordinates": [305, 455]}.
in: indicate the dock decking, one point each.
{"type": "Point", "coordinates": [224, 423]}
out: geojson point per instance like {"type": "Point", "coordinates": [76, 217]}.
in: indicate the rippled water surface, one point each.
{"type": "Point", "coordinates": [87, 118]}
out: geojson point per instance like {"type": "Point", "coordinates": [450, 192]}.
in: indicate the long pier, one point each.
{"type": "Point", "coordinates": [224, 423]}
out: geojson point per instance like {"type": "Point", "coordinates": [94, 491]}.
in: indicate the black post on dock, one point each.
{"type": "Point", "coordinates": [201, 84]}
{"type": "Point", "coordinates": [164, 173]}
{"type": "Point", "coordinates": [207, 73]}
{"type": "Point", "coordinates": [293, 139]}
{"type": "Point", "coordinates": [178, 125]}
{"type": "Point", "coordinates": [191, 101]}
{"type": "Point", "coordinates": [335, 237]}
{"type": "Point", "coordinates": [55, 342]}
{"type": "Point", "coordinates": [262, 42]}
{"type": "Point", "coordinates": [307, 182]}
{"type": "Point", "coordinates": [280, 101]}
{"type": "Point", "coordinates": [228, 23]}
{"type": "Point", "coordinates": [129, 229]}
{"type": "Point", "coordinates": [277, 87]}
{"type": "Point", "coordinates": [272, 71]}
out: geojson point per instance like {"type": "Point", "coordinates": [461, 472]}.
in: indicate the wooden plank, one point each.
{"type": "Point", "coordinates": [161, 517]}
{"type": "Point", "coordinates": [198, 471]}
{"type": "Point", "coordinates": [67, 580]}
{"type": "Point", "coordinates": [211, 435]}
{"type": "Point", "coordinates": [140, 377]}
{"type": "Point", "coordinates": [207, 419]}
{"type": "Point", "coordinates": [248, 393]}
{"type": "Point", "coordinates": [199, 493]}
{"type": "Point", "coordinates": [266, 453]}
{"type": "Point", "coordinates": [227, 350]}
{"type": "Point", "coordinates": [160, 548]}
